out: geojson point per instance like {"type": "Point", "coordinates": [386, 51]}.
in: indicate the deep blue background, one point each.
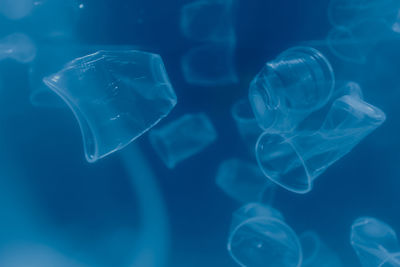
{"type": "Point", "coordinates": [47, 182]}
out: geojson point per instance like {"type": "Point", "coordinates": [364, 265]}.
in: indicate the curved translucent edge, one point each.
{"type": "Point", "coordinates": [311, 235]}
{"type": "Point", "coordinates": [288, 187]}
{"type": "Point", "coordinates": [44, 99]}
{"type": "Point", "coordinates": [262, 219]}
{"type": "Point", "coordinates": [161, 148]}
{"type": "Point", "coordinates": [236, 112]}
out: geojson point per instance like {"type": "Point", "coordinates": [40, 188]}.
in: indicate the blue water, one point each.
{"type": "Point", "coordinates": [93, 213]}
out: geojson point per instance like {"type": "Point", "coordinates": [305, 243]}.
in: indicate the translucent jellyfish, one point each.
{"type": "Point", "coordinates": [17, 46]}
{"type": "Point", "coordinates": [346, 12]}
{"type": "Point", "coordinates": [183, 138]}
{"type": "Point", "coordinates": [16, 9]}
{"type": "Point", "coordinates": [298, 82]}
{"type": "Point", "coordinates": [211, 64]}
{"type": "Point", "coordinates": [316, 253]}
{"type": "Point", "coordinates": [116, 96]}
{"type": "Point", "coordinates": [262, 238]}
{"type": "Point", "coordinates": [295, 162]}
{"type": "Point", "coordinates": [355, 42]}
{"type": "Point", "coordinates": [208, 20]}
{"type": "Point", "coordinates": [243, 181]}
{"type": "Point", "coordinates": [375, 242]}
{"type": "Point", "coordinates": [246, 123]}
{"type": "Point", "coordinates": [40, 94]}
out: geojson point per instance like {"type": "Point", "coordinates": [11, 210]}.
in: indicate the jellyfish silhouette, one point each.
{"type": "Point", "coordinates": [17, 46]}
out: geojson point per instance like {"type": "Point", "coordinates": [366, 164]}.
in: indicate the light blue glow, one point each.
{"type": "Point", "coordinates": [16, 9]}
{"type": "Point", "coordinates": [183, 138]}
{"type": "Point", "coordinates": [116, 96]}
{"type": "Point", "coordinates": [262, 239]}
{"type": "Point", "coordinates": [316, 253]}
{"type": "Point", "coordinates": [298, 82]}
{"type": "Point", "coordinates": [243, 181]}
{"type": "Point", "coordinates": [17, 46]}
{"type": "Point", "coordinates": [210, 64]}
{"type": "Point", "coordinates": [295, 162]}
{"type": "Point", "coordinates": [208, 20]}
{"type": "Point", "coordinates": [375, 242]}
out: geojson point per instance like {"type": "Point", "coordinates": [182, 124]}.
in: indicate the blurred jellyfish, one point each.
{"type": "Point", "coordinates": [183, 138]}
{"type": "Point", "coordinates": [208, 20]}
{"type": "Point", "coordinates": [288, 89]}
{"type": "Point", "coordinates": [347, 12]}
{"type": "Point", "coordinates": [211, 64]}
{"type": "Point", "coordinates": [16, 9]}
{"type": "Point", "coordinates": [375, 242]}
{"type": "Point", "coordinates": [260, 237]}
{"type": "Point", "coordinates": [246, 123]}
{"type": "Point", "coordinates": [19, 47]}
{"type": "Point", "coordinates": [355, 42]}
{"type": "Point", "coordinates": [40, 94]}
{"type": "Point", "coordinates": [244, 182]}
{"type": "Point", "coordinates": [316, 253]}
{"type": "Point", "coordinates": [116, 96]}
{"type": "Point", "coordinates": [295, 162]}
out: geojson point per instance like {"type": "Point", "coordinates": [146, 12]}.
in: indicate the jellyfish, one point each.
{"type": "Point", "coordinates": [289, 88]}
{"type": "Point", "coordinates": [19, 47]}
{"type": "Point", "coordinates": [16, 9]}
{"type": "Point", "coordinates": [260, 237]}
{"type": "Point", "coordinates": [294, 162]}
{"type": "Point", "coordinates": [116, 96]}
{"type": "Point", "coordinates": [183, 138]}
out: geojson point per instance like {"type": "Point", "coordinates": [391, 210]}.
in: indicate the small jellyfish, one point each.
{"type": "Point", "coordinates": [243, 181]}
{"type": "Point", "coordinates": [116, 96]}
{"type": "Point", "coordinates": [288, 89]}
{"type": "Point", "coordinates": [19, 47]}
{"type": "Point", "coordinates": [246, 123]}
{"type": "Point", "coordinates": [295, 162]}
{"type": "Point", "coordinates": [260, 237]}
{"type": "Point", "coordinates": [316, 253]}
{"type": "Point", "coordinates": [208, 20]}
{"type": "Point", "coordinates": [355, 42]}
{"type": "Point", "coordinates": [16, 9]}
{"type": "Point", "coordinates": [210, 64]}
{"type": "Point", "coordinates": [347, 12]}
{"type": "Point", "coordinates": [183, 138]}
{"type": "Point", "coordinates": [375, 242]}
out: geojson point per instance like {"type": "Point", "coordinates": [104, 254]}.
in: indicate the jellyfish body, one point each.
{"type": "Point", "coordinates": [19, 47]}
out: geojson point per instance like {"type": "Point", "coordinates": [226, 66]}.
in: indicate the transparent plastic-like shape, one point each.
{"type": "Point", "coordinates": [243, 181]}
{"type": "Point", "coordinates": [260, 237]}
{"type": "Point", "coordinates": [16, 9]}
{"type": "Point", "coordinates": [375, 243]}
{"type": "Point", "coordinates": [246, 123]}
{"type": "Point", "coordinates": [295, 162]}
{"type": "Point", "coordinates": [316, 253]}
{"type": "Point", "coordinates": [347, 12]}
{"type": "Point", "coordinates": [40, 94]}
{"type": "Point", "coordinates": [211, 64]}
{"type": "Point", "coordinates": [208, 20]}
{"type": "Point", "coordinates": [355, 42]}
{"type": "Point", "coordinates": [116, 96]}
{"type": "Point", "coordinates": [183, 138]}
{"type": "Point", "coordinates": [19, 47]}
{"type": "Point", "coordinates": [298, 82]}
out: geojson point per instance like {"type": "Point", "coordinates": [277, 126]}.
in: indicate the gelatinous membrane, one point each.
{"type": "Point", "coordinates": [346, 12]}
{"type": "Point", "coordinates": [375, 242]}
{"type": "Point", "coordinates": [210, 64]}
{"type": "Point", "coordinates": [16, 9]}
{"type": "Point", "coordinates": [19, 47]}
{"type": "Point", "coordinates": [316, 253]}
{"type": "Point", "coordinates": [116, 96]}
{"type": "Point", "coordinates": [243, 181]}
{"type": "Point", "coordinates": [288, 89]}
{"type": "Point", "coordinates": [246, 123]}
{"type": "Point", "coordinates": [40, 94]}
{"type": "Point", "coordinates": [295, 162]}
{"type": "Point", "coordinates": [208, 20]}
{"type": "Point", "coordinates": [183, 138]}
{"type": "Point", "coordinates": [262, 239]}
{"type": "Point", "coordinates": [353, 43]}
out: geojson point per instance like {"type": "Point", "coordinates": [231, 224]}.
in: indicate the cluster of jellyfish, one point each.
{"type": "Point", "coordinates": [118, 94]}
